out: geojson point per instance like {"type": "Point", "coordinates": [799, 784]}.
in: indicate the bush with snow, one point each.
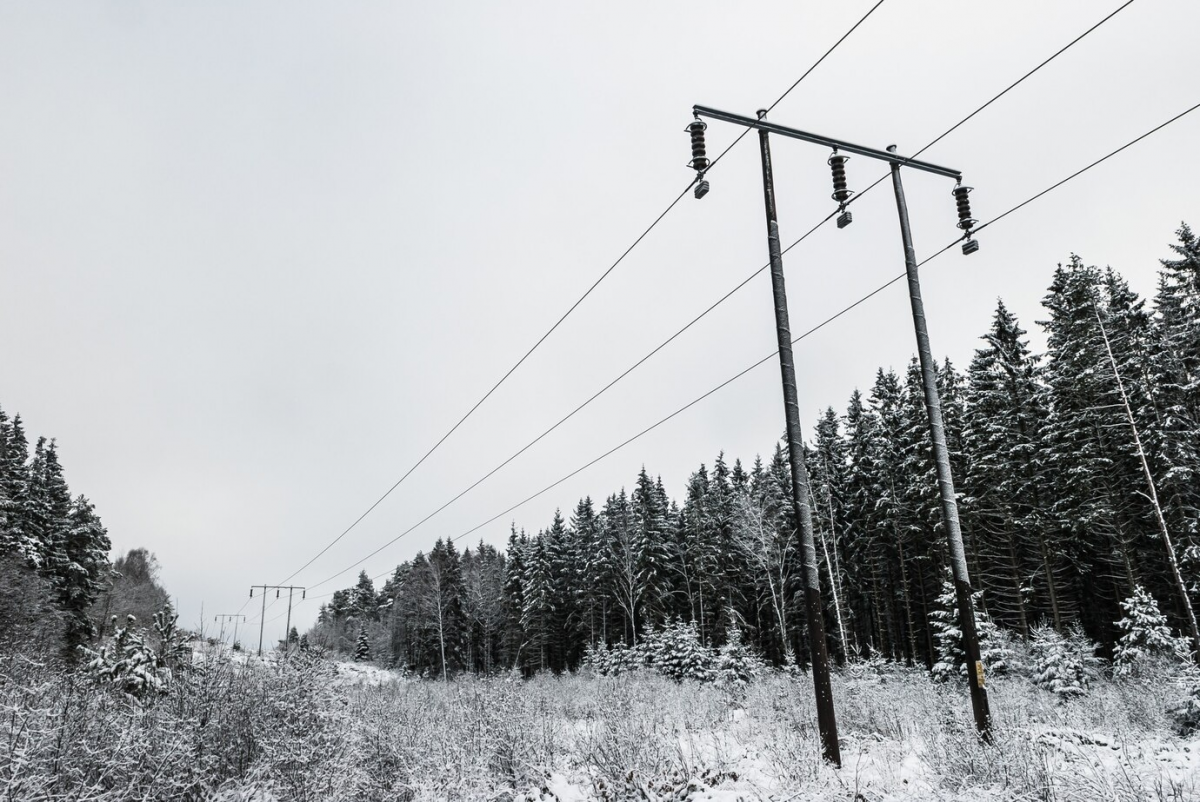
{"type": "Point", "coordinates": [127, 662]}
{"type": "Point", "coordinates": [675, 651]}
{"type": "Point", "coordinates": [1185, 714]}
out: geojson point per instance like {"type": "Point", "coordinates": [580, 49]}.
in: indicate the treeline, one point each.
{"type": "Point", "coordinates": [58, 590]}
{"type": "Point", "coordinates": [1057, 513]}
{"type": "Point", "coordinates": [53, 547]}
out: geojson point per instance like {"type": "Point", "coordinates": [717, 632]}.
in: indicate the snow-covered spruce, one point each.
{"type": "Point", "coordinates": [1145, 633]}
{"type": "Point", "coordinates": [951, 656]}
{"type": "Point", "coordinates": [362, 650]}
{"type": "Point", "coordinates": [1061, 664]}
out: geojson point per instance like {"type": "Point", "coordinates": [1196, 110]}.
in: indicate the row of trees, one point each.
{"type": "Point", "coordinates": [53, 547]}
{"type": "Point", "coordinates": [1059, 518]}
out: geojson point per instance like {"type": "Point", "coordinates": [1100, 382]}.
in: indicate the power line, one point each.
{"type": "Point", "coordinates": [826, 322]}
{"type": "Point", "coordinates": [817, 327]}
{"type": "Point", "coordinates": [996, 97]}
{"type": "Point", "coordinates": [575, 305]}
{"type": "Point", "coordinates": [740, 285]}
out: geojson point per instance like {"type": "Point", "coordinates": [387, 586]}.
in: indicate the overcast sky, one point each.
{"type": "Point", "coordinates": [256, 258]}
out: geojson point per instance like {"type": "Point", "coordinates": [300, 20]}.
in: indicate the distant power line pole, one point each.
{"type": "Point", "coordinates": [263, 615]}
{"type": "Point", "coordinates": [801, 492]}
{"type": "Point", "coordinates": [223, 618]}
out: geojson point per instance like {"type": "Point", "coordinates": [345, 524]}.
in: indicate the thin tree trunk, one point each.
{"type": "Point", "coordinates": [1172, 560]}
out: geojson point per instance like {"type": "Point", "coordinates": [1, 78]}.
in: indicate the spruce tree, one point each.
{"type": "Point", "coordinates": [1060, 664]}
{"type": "Point", "coordinates": [362, 648]}
{"type": "Point", "coordinates": [587, 579]}
{"type": "Point", "coordinates": [951, 656]}
{"type": "Point", "coordinates": [650, 507]}
{"type": "Point", "coordinates": [1087, 449]}
{"type": "Point", "coordinates": [538, 611]}
{"type": "Point", "coordinates": [84, 565]}
{"type": "Point", "coordinates": [1004, 481]}
{"type": "Point", "coordinates": [514, 599]}
{"type": "Point", "coordinates": [867, 556]}
{"type": "Point", "coordinates": [15, 534]}
{"type": "Point", "coordinates": [1145, 632]}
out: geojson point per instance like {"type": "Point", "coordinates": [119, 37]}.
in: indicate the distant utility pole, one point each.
{"type": "Point", "coordinates": [263, 615]}
{"type": "Point", "coordinates": [801, 492]}
{"type": "Point", "coordinates": [234, 617]}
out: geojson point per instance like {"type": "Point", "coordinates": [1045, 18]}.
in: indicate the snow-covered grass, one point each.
{"type": "Point", "coordinates": [313, 730]}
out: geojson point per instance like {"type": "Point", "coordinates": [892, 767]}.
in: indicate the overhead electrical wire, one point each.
{"type": "Point", "coordinates": [845, 310]}
{"type": "Point", "coordinates": [736, 288]}
{"type": "Point", "coordinates": [575, 305]}
{"type": "Point", "coordinates": [832, 318]}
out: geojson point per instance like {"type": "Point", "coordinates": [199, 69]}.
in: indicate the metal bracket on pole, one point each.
{"type": "Point", "coordinates": [829, 142]}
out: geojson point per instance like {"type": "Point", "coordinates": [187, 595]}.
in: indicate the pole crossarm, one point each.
{"type": "Point", "coordinates": [830, 142]}
{"type": "Point", "coordinates": [262, 616]}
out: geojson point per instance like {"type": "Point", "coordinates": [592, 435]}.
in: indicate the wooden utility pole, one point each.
{"type": "Point", "coordinates": [263, 614]}
{"type": "Point", "coordinates": [223, 618]}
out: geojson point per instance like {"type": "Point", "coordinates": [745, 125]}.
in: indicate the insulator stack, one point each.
{"type": "Point", "coordinates": [965, 221]}
{"type": "Point", "coordinates": [699, 161]}
{"type": "Point", "coordinates": [838, 163]}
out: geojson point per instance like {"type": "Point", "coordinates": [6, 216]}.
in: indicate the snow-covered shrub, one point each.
{"type": "Point", "coordinates": [677, 653]}
{"type": "Point", "coordinates": [1146, 634]}
{"type": "Point", "coordinates": [173, 651]}
{"type": "Point", "coordinates": [1185, 714]}
{"type": "Point", "coordinates": [128, 663]}
{"type": "Point", "coordinates": [1061, 664]}
{"type": "Point", "coordinates": [595, 660]}
{"type": "Point", "coordinates": [994, 650]}
{"type": "Point", "coordinates": [737, 665]}
{"type": "Point", "coordinates": [613, 660]}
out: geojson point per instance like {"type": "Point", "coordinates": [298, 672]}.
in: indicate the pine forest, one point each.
{"type": "Point", "coordinates": [1060, 521]}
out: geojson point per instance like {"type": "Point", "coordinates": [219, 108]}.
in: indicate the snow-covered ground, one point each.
{"type": "Point", "coordinates": [241, 729]}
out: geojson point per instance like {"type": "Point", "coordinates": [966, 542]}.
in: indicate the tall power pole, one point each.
{"type": "Point", "coordinates": [800, 488]}
{"type": "Point", "coordinates": [801, 493]}
{"type": "Point", "coordinates": [263, 615]}
{"type": "Point", "coordinates": [941, 458]}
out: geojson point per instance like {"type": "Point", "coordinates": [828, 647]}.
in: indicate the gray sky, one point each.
{"type": "Point", "coordinates": [258, 257]}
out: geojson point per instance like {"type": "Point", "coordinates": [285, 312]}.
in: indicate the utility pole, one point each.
{"type": "Point", "coordinates": [224, 617]}
{"type": "Point", "coordinates": [941, 458]}
{"type": "Point", "coordinates": [801, 493]}
{"type": "Point", "coordinates": [800, 489]}
{"type": "Point", "coordinates": [263, 614]}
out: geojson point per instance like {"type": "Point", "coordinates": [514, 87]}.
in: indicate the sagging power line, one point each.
{"type": "Point", "coordinates": [842, 213]}
{"type": "Point", "coordinates": [804, 335]}
{"type": "Point", "coordinates": [576, 304]}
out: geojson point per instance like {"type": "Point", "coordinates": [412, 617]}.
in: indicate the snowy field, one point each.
{"type": "Point", "coordinates": [316, 730]}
